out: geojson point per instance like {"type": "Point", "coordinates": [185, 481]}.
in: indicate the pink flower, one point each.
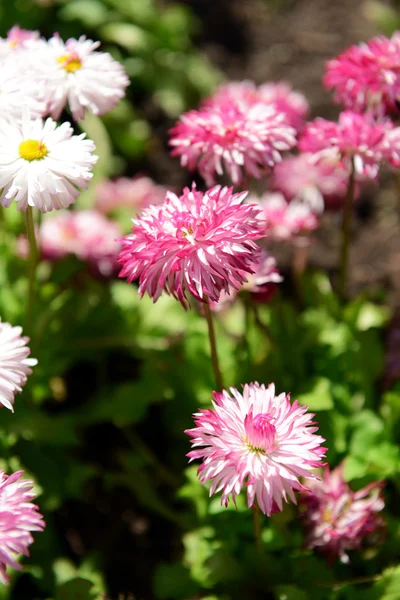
{"type": "Point", "coordinates": [336, 518]}
{"type": "Point", "coordinates": [17, 39]}
{"type": "Point", "coordinates": [18, 517]}
{"type": "Point", "coordinates": [279, 95]}
{"type": "Point", "coordinates": [197, 243]}
{"type": "Point", "coordinates": [257, 440]}
{"type": "Point", "coordinates": [262, 284]}
{"type": "Point", "coordinates": [367, 77]}
{"type": "Point", "coordinates": [133, 193]}
{"type": "Point", "coordinates": [321, 184]}
{"type": "Point", "coordinates": [87, 234]}
{"type": "Point", "coordinates": [243, 140]}
{"type": "Point", "coordinates": [14, 363]}
{"type": "Point", "coordinates": [286, 220]}
{"type": "Point", "coordinates": [354, 137]}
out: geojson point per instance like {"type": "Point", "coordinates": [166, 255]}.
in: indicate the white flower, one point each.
{"type": "Point", "coordinates": [42, 165]}
{"type": "Point", "coordinates": [14, 363]}
{"type": "Point", "coordinates": [78, 75]}
{"type": "Point", "coordinates": [18, 91]}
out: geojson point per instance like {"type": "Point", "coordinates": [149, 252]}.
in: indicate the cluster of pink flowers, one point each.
{"type": "Point", "coordinates": [87, 234]}
{"type": "Point", "coordinates": [366, 77]}
{"type": "Point", "coordinates": [235, 133]}
{"type": "Point", "coordinates": [133, 193]}
{"type": "Point", "coordinates": [195, 243]}
{"type": "Point", "coordinates": [336, 518]}
{"type": "Point", "coordinates": [256, 440]}
{"type": "Point", "coordinates": [286, 220]}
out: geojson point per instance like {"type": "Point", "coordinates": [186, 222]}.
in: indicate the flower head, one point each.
{"type": "Point", "coordinates": [243, 140]}
{"type": "Point", "coordinates": [14, 363]}
{"type": "Point", "coordinates": [279, 95]}
{"type": "Point", "coordinates": [336, 518]}
{"type": "Point", "coordinates": [19, 91]}
{"type": "Point", "coordinates": [18, 517]}
{"type": "Point", "coordinates": [286, 220]}
{"type": "Point", "coordinates": [353, 138]}
{"type": "Point", "coordinates": [320, 184]}
{"type": "Point", "coordinates": [17, 39]}
{"type": "Point", "coordinates": [132, 193]}
{"type": "Point", "coordinates": [367, 77]}
{"type": "Point", "coordinates": [87, 234]}
{"type": "Point", "coordinates": [42, 165]}
{"type": "Point", "coordinates": [257, 440]}
{"type": "Point", "coordinates": [75, 73]}
{"type": "Point", "coordinates": [197, 243]}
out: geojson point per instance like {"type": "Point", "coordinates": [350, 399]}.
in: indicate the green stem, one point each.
{"type": "Point", "coordinates": [257, 529]}
{"type": "Point", "coordinates": [32, 262]}
{"type": "Point", "coordinates": [213, 345]}
{"type": "Point", "coordinates": [346, 226]}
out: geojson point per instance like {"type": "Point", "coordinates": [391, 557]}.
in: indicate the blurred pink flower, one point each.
{"type": "Point", "coordinates": [354, 137]}
{"type": "Point", "coordinates": [87, 234]}
{"type": "Point", "coordinates": [320, 185]}
{"type": "Point", "coordinates": [367, 77]}
{"type": "Point", "coordinates": [18, 517]}
{"type": "Point", "coordinates": [16, 40]}
{"type": "Point", "coordinates": [14, 363]}
{"type": "Point", "coordinates": [280, 95]}
{"type": "Point", "coordinates": [336, 518]}
{"type": "Point", "coordinates": [133, 193]}
{"type": "Point", "coordinates": [257, 440]}
{"type": "Point", "coordinates": [243, 140]}
{"type": "Point", "coordinates": [285, 220]}
{"type": "Point", "coordinates": [197, 243]}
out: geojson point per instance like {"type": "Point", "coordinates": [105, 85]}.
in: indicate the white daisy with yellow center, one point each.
{"type": "Point", "coordinates": [42, 165]}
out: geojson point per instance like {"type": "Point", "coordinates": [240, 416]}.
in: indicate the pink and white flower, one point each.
{"type": "Point", "coordinates": [280, 95]}
{"type": "Point", "coordinates": [20, 93]}
{"type": "Point", "coordinates": [286, 220]}
{"type": "Point", "coordinates": [17, 39]}
{"type": "Point", "coordinates": [75, 73]}
{"type": "Point", "coordinates": [196, 243]}
{"type": "Point", "coordinates": [320, 184]}
{"type": "Point", "coordinates": [255, 440]}
{"type": "Point", "coordinates": [366, 77]}
{"type": "Point", "coordinates": [15, 366]}
{"type": "Point", "coordinates": [87, 234]}
{"type": "Point", "coordinates": [43, 165]}
{"type": "Point", "coordinates": [337, 519]}
{"type": "Point", "coordinates": [242, 140]}
{"type": "Point", "coordinates": [134, 193]}
{"type": "Point", "coordinates": [18, 518]}
{"type": "Point", "coordinates": [353, 138]}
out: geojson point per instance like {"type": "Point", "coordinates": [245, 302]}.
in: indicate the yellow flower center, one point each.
{"type": "Point", "coordinates": [32, 150]}
{"type": "Point", "coordinates": [70, 62]}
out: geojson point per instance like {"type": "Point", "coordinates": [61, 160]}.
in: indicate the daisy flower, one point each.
{"type": "Point", "coordinates": [18, 517]}
{"type": "Point", "coordinates": [286, 220]}
{"type": "Point", "coordinates": [87, 234]}
{"type": "Point", "coordinates": [228, 135]}
{"type": "Point", "coordinates": [337, 519]}
{"type": "Point", "coordinates": [196, 243]}
{"type": "Point", "coordinates": [17, 39]}
{"type": "Point", "coordinates": [75, 73]}
{"type": "Point", "coordinates": [257, 440]}
{"type": "Point", "coordinates": [42, 165]}
{"type": "Point", "coordinates": [366, 77]}
{"type": "Point", "coordinates": [353, 138]}
{"type": "Point", "coordinates": [19, 91]}
{"type": "Point", "coordinates": [14, 363]}
{"type": "Point", "coordinates": [320, 185]}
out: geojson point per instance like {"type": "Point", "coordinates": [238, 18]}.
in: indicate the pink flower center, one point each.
{"type": "Point", "coordinates": [260, 432]}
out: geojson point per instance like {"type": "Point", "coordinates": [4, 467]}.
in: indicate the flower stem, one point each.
{"type": "Point", "coordinates": [346, 225]}
{"type": "Point", "coordinates": [32, 262]}
{"type": "Point", "coordinates": [257, 529]}
{"type": "Point", "coordinates": [213, 345]}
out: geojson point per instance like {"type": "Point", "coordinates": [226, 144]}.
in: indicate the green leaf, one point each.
{"type": "Point", "coordinates": [320, 395]}
{"type": "Point", "coordinates": [76, 589]}
{"type": "Point", "coordinates": [173, 581]}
